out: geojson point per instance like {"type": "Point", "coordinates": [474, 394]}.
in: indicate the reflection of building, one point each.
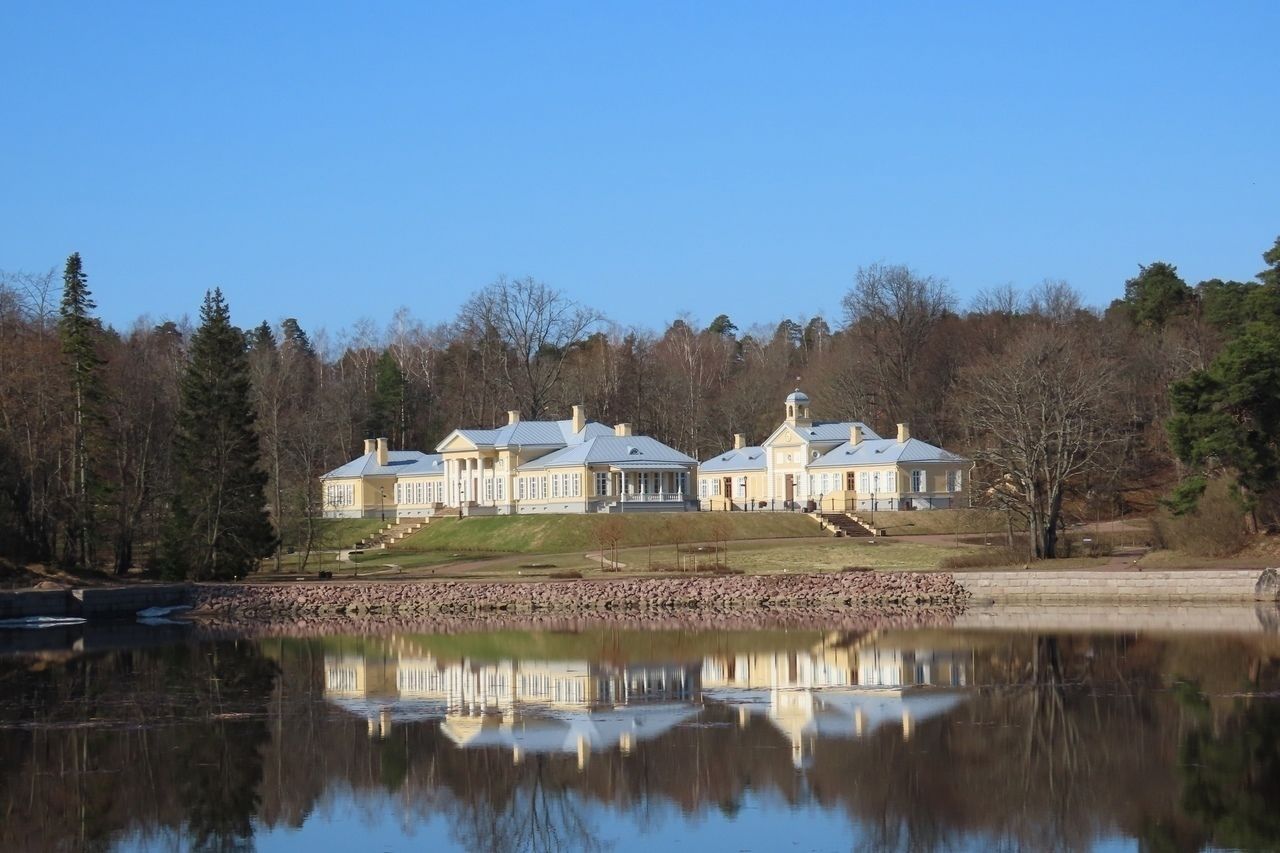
{"type": "Point", "coordinates": [837, 691]}
{"type": "Point", "coordinates": [526, 706]}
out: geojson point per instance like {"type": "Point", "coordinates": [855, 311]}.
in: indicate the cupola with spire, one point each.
{"type": "Point", "coordinates": [798, 409]}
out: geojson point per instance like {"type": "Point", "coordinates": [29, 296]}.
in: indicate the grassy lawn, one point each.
{"type": "Point", "coordinates": [555, 534]}
{"type": "Point", "coordinates": [832, 556]}
{"type": "Point", "coordinates": [915, 522]}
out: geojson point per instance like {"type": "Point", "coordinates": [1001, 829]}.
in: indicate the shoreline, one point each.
{"type": "Point", "coordinates": [732, 594]}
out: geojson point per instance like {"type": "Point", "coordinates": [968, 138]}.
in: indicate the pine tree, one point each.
{"type": "Point", "coordinates": [78, 332]}
{"type": "Point", "coordinates": [220, 527]}
{"type": "Point", "coordinates": [387, 408]}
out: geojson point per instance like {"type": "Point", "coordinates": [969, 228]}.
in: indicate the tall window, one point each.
{"type": "Point", "coordinates": [555, 485]}
{"type": "Point", "coordinates": [864, 482]}
{"type": "Point", "coordinates": [953, 481]}
{"type": "Point", "coordinates": [875, 481]}
{"type": "Point", "coordinates": [917, 481]}
{"type": "Point", "coordinates": [577, 485]}
{"type": "Point", "coordinates": [542, 488]}
{"type": "Point", "coordinates": [602, 482]}
{"type": "Point", "coordinates": [682, 482]}
{"type": "Point", "coordinates": [742, 487]}
{"type": "Point", "coordinates": [702, 488]}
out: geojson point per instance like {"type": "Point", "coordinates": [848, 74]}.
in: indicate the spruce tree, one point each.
{"type": "Point", "coordinates": [387, 408]}
{"type": "Point", "coordinates": [78, 332]}
{"type": "Point", "coordinates": [220, 527]}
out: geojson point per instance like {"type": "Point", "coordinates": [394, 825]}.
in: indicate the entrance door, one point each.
{"type": "Point", "coordinates": [727, 487]}
{"type": "Point", "coordinates": [790, 489]}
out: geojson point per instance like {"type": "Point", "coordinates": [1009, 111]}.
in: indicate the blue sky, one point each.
{"type": "Point", "coordinates": [335, 161]}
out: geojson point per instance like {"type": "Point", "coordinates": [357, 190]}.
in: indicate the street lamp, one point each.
{"type": "Point", "coordinates": [382, 496]}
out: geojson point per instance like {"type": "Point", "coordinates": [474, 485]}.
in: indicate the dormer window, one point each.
{"type": "Point", "coordinates": [633, 451]}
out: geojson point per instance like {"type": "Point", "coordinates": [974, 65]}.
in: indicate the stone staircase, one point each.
{"type": "Point", "coordinates": [846, 524]}
{"type": "Point", "coordinates": [389, 534]}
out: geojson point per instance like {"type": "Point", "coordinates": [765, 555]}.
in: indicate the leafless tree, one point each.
{"type": "Point", "coordinates": [1042, 417]}
{"type": "Point", "coordinates": [539, 326]}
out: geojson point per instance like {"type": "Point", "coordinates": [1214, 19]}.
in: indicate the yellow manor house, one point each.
{"type": "Point", "coordinates": [839, 466]}
{"type": "Point", "coordinates": [576, 465]}
{"type": "Point", "coordinates": [568, 466]}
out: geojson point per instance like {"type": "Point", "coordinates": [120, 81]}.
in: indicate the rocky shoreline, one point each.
{"type": "Point", "coordinates": [901, 592]}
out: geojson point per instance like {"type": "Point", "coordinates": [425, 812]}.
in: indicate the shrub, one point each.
{"type": "Point", "coordinates": [984, 559]}
{"type": "Point", "coordinates": [1215, 528]}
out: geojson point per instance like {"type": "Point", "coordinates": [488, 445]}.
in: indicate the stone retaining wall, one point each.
{"type": "Point", "coordinates": [1066, 587]}
{"type": "Point", "coordinates": [92, 602]}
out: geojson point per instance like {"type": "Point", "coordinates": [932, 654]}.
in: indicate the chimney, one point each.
{"type": "Point", "coordinates": [513, 417]}
{"type": "Point", "coordinates": [622, 430]}
{"type": "Point", "coordinates": [855, 434]}
{"type": "Point", "coordinates": [739, 440]}
{"type": "Point", "coordinates": [903, 433]}
{"type": "Point", "coordinates": [383, 456]}
{"type": "Point", "coordinates": [369, 446]}
{"type": "Point", "coordinates": [579, 418]}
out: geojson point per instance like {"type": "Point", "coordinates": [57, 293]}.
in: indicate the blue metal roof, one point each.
{"type": "Point", "coordinates": [742, 459]}
{"type": "Point", "coordinates": [400, 463]}
{"type": "Point", "coordinates": [834, 431]}
{"type": "Point", "coordinates": [532, 434]}
{"type": "Point", "coordinates": [635, 450]}
{"type": "Point", "coordinates": [884, 450]}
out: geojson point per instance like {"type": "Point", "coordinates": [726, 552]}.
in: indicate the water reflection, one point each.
{"type": "Point", "coordinates": [596, 739]}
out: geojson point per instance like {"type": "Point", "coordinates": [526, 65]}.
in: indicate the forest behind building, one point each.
{"type": "Point", "coordinates": [194, 447]}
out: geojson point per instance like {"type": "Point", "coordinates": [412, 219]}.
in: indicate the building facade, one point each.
{"type": "Point", "coordinates": [524, 467]}
{"type": "Point", "coordinates": [833, 467]}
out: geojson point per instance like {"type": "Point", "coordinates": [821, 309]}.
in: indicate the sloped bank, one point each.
{"type": "Point", "coordinates": [712, 594]}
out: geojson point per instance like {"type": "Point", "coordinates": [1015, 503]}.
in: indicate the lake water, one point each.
{"type": "Point", "coordinates": [811, 738]}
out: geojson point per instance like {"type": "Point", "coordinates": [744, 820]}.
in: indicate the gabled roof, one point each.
{"type": "Point", "coordinates": [740, 459]}
{"type": "Point", "coordinates": [629, 450]}
{"type": "Point", "coordinates": [529, 434]}
{"type": "Point", "coordinates": [827, 432]}
{"type": "Point", "coordinates": [875, 451]}
{"type": "Point", "coordinates": [400, 463]}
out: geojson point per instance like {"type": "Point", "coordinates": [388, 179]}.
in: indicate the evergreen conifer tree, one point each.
{"type": "Point", "coordinates": [220, 527]}
{"type": "Point", "coordinates": [387, 408]}
{"type": "Point", "coordinates": [78, 332]}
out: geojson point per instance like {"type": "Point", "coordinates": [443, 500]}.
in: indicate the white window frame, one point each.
{"type": "Point", "coordinates": [918, 480]}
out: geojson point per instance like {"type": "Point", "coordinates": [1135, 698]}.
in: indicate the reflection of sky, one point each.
{"type": "Point", "coordinates": [764, 823]}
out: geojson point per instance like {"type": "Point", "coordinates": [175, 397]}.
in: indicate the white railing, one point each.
{"type": "Point", "coordinates": [655, 497]}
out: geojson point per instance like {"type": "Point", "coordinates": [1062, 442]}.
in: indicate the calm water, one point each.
{"type": "Point", "coordinates": [823, 739]}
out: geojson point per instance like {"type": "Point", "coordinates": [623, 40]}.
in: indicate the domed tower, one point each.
{"type": "Point", "coordinates": [798, 409]}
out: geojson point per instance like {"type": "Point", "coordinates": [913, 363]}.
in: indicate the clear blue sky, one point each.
{"type": "Point", "coordinates": [333, 161]}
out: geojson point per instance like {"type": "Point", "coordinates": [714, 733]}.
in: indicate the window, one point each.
{"type": "Point", "coordinates": [418, 490]}
{"type": "Point", "coordinates": [742, 487]}
{"type": "Point", "coordinates": [520, 488]}
{"type": "Point", "coordinates": [953, 481]}
{"type": "Point", "coordinates": [682, 482]}
{"type": "Point", "coordinates": [875, 481]}
{"type": "Point", "coordinates": [502, 489]}
{"type": "Point", "coordinates": [577, 485]}
{"type": "Point", "coordinates": [555, 485]}
{"type": "Point", "coordinates": [864, 482]}
{"type": "Point", "coordinates": [602, 483]}
{"type": "Point", "coordinates": [715, 486]}
{"type": "Point", "coordinates": [542, 488]}
{"type": "Point", "coordinates": [702, 488]}
{"type": "Point", "coordinates": [488, 489]}
{"type": "Point", "coordinates": [917, 481]}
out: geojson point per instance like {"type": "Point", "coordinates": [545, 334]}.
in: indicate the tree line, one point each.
{"type": "Point", "coordinates": [194, 448]}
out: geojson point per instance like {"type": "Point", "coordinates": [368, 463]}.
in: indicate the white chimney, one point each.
{"type": "Point", "coordinates": [855, 434]}
{"type": "Point", "coordinates": [903, 433]}
{"type": "Point", "coordinates": [369, 446]}
{"type": "Point", "coordinates": [383, 455]}
{"type": "Point", "coordinates": [513, 417]}
{"type": "Point", "coordinates": [622, 430]}
{"type": "Point", "coordinates": [739, 440]}
{"type": "Point", "coordinates": [579, 418]}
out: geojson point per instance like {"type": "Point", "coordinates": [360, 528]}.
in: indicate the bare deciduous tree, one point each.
{"type": "Point", "coordinates": [1042, 417]}
{"type": "Point", "coordinates": [539, 326]}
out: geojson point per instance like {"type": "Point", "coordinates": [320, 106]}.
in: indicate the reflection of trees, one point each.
{"type": "Point", "coordinates": [1068, 739]}
{"type": "Point", "coordinates": [1231, 772]}
{"type": "Point", "coordinates": [538, 813]}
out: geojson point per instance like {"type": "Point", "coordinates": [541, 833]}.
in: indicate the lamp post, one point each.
{"type": "Point", "coordinates": [382, 497]}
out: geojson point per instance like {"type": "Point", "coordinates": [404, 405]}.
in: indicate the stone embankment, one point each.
{"type": "Point", "coordinates": [1066, 587]}
{"type": "Point", "coordinates": [704, 594]}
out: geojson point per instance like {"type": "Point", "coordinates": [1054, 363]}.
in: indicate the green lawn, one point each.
{"type": "Point", "coordinates": [910, 523]}
{"type": "Point", "coordinates": [332, 533]}
{"type": "Point", "coordinates": [558, 534]}
{"type": "Point", "coordinates": [837, 554]}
